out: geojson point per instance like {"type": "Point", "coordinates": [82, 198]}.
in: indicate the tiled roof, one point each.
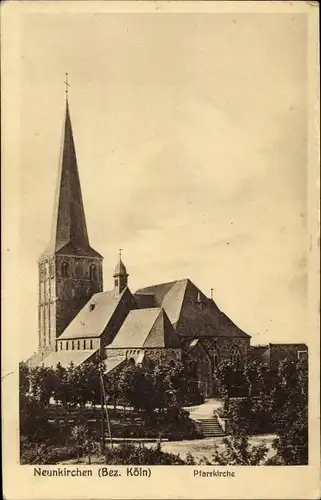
{"type": "Point", "coordinates": [67, 357]}
{"type": "Point", "coordinates": [146, 328]}
{"type": "Point", "coordinates": [256, 352]}
{"type": "Point", "coordinates": [114, 362]}
{"type": "Point", "coordinates": [94, 317]}
{"type": "Point", "coordinates": [278, 352]}
{"type": "Point", "coordinates": [190, 311]}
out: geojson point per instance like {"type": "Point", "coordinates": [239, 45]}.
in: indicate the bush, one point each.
{"type": "Point", "coordinates": [45, 453]}
{"type": "Point", "coordinates": [130, 454]}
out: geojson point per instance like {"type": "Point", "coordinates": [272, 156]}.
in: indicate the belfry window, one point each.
{"type": "Point", "coordinates": [93, 272]}
{"type": "Point", "coordinates": [65, 270]}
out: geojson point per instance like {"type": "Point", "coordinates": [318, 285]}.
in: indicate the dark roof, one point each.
{"type": "Point", "coordinates": [256, 352]}
{"type": "Point", "coordinates": [280, 351]}
{"type": "Point", "coordinates": [190, 311]}
{"type": "Point", "coordinates": [146, 328]}
{"type": "Point", "coordinates": [275, 352]}
{"type": "Point", "coordinates": [94, 317]}
{"type": "Point", "coordinates": [120, 269]}
{"type": "Point", "coordinates": [69, 231]}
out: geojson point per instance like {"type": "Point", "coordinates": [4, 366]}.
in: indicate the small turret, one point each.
{"type": "Point", "coordinates": [120, 275]}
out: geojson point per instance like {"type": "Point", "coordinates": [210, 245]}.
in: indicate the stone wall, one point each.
{"type": "Point", "coordinates": [224, 348]}
{"type": "Point", "coordinates": [155, 355]}
{"type": "Point", "coordinates": [66, 283]}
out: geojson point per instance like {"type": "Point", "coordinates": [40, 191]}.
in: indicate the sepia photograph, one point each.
{"type": "Point", "coordinates": [162, 267]}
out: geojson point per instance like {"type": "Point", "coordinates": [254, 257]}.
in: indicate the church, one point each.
{"type": "Point", "coordinates": [79, 321]}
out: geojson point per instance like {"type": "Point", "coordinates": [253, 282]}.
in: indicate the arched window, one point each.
{"type": "Point", "coordinates": [93, 272]}
{"type": "Point", "coordinates": [65, 270]}
{"type": "Point", "coordinates": [91, 344]}
{"type": "Point", "coordinates": [84, 344]}
{"type": "Point", "coordinates": [215, 359]}
{"type": "Point", "coordinates": [60, 346]}
{"type": "Point", "coordinates": [236, 357]}
{"type": "Point", "coordinates": [67, 345]}
{"type": "Point", "coordinates": [78, 345]}
{"type": "Point", "coordinates": [131, 362]}
{"type": "Point", "coordinates": [72, 345]}
{"type": "Point", "coordinates": [42, 271]}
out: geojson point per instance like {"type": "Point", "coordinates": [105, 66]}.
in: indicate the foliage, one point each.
{"type": "Point", "coordinates": [237, 451]}
{"type": "Point", "coordinates": [131, 454]}
{"type": "Point", "coordinates": [46, 453]}
{"type": "Point", "coordinates": [280, 405]}
{"type": "Point", "coordinates": [292, 415]}
{"type": "Point", "coordinates": [79, 433]}
{"type": "Point", "coordinates": [230, 379]}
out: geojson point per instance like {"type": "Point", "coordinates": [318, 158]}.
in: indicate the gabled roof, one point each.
{"type": "Point", "coordinates": [256, 352]}
{"type": "Point", "coordinates": [146, 328]}
{"type": "Point", "coordinates": [67, 357]}
{"type": "Point", "coordinates": [95, 316]}
{"type": "Point", "coordinates": [170, 296]}
{"type": "Point", "coordinates": [69, 231]}
{"type": "Point", "coordinates": [190, 311]}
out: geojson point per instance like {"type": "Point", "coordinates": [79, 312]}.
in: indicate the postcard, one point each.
{"type": "Point", "coordinates": [160, 224]}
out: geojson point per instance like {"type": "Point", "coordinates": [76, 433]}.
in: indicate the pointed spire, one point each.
{"type": "Point", "coordinates": [69, 223]}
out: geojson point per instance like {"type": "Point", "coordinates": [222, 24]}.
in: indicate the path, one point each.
{"type": "Point", "coordinates": [204, 410]}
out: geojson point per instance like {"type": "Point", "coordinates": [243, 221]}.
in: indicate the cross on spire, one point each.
{"type": "Point", "coordinates": [67, 85]}
{"type": "Point", "coordinates": [120, 251]}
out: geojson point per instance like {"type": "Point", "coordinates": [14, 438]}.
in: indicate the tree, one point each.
{"type": "Point", "coordinates": [79, 433]}
{"type": "Point", "coordinates": [136, 387]}
{"type": "Point", "coordinates": [43, 383]}
{"type": "Point", "coordinates": [291, 413]}
{"type": "Point", "coordinates": [238, 451]}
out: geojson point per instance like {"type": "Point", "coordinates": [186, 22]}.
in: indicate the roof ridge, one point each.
{"type": "Point", "coordinates": [151, 328]}
{"type": "Point", "coordinates": [164, 283]}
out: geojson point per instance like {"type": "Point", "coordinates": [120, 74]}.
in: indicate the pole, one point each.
{"type": "Point", "coordinates": [102, 413]}
{"type": "Point", "coordinates": [104, 404]}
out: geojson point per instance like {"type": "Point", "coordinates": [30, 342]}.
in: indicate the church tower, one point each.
{"type": "Point", "coordinates": [70, 271]}
{"type": "Point", "coordinates": [120, 276]}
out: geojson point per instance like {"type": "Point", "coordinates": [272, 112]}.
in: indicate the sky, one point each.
{"type": "Point", "coordinates": [191, 137]}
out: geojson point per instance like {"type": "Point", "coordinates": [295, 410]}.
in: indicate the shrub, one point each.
{"type": "Point", "coordinates": [130, 454]}
{"type": "Point", "coordinates": [45, 453]}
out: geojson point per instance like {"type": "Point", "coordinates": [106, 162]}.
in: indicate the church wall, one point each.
{"type": "Point", "coordinates": [75, 285]}
{"type": "Point", "coordinates": [225, 347]}
{"type": "Point", "coordinates": [78, 344]}
{"type": "Point", "coordinates": [156, 355]}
